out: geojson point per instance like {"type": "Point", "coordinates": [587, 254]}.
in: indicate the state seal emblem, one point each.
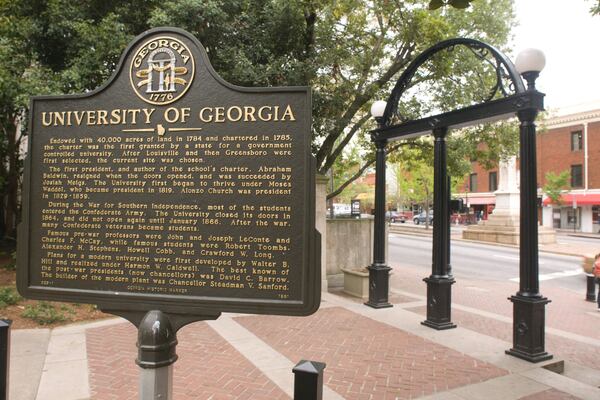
{"type": "Point", "coordinates": [162, 70]}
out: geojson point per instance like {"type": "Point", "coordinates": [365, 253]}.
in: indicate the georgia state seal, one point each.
{"type": "Point", "coordinates": [162, 70]}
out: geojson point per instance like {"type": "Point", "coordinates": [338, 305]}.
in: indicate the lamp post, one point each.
{"type": "Point", "coordinates": [379, 271]}
{"type": "Point", "coordinates": [528, 303]}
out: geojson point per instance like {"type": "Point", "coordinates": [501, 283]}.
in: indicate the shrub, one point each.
{"type": "Point", "coordinates": [8, 297]}
{"type": "Point", "coordinates": [45, 313]}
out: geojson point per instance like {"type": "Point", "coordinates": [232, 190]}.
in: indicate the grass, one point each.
{"type": "Point", "coordinates": [9, 297]}
{"type": "Point", "coordinates": [12, 264]}
{"type": "Point", "coordinates": [45, 313]}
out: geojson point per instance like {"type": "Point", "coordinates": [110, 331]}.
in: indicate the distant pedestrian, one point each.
{"type": "Point", "coordinates": [596, 273]}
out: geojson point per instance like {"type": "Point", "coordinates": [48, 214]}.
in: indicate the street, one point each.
{"type": "Point", "coordinates": [489, 262]}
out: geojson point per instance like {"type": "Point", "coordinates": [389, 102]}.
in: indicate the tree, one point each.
{"type": "Point", "coordinates": [435, 4]}
{"type": "Point", "coordinates": [349, 51]}
{"type": "Point", "coordinates": [595, 10]}
{"type": "Point", "coordinates": [555, 184]}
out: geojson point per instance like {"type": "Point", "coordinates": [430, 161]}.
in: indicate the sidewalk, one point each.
{"type": "Point", "coordinates": [370, 354]}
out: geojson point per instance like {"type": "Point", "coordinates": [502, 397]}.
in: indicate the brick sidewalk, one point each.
{"type": "Point", "coordinates": [370, 355]}
{"type": "Point", "coordinates": [208, 367]}
{"type": "Point", "coordinates": [367, 359]}
{"type": "Point", "coordinates": [568, 311]}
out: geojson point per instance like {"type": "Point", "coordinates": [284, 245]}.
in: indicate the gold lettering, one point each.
{"type": "Point", "coordinates": [231, 117]}
{"type": "Point", "coordinates": [115, 117]}
{"type": "Point", "coordinates": [204, 118]}
{"type": "Point", "coordinates": [288, 113]}
{"type": "Point", "coordinates": [263, 117]}
{"type": "Point", "coordinates": [79, 117]}
{"type": "Point", "coordinates": [219, 114]}
{"type": "Point", "coordinates": [102, 117]}
{"type": "Point", "coordinates": [91, 117]}
{"type": "Point", "coordinates": [148, 114]}
{"type": "Point", "coordinates": [44, 121]}
{"type": "Point", "coordinates": [59, 118]}
{"type": "Point", "coordinates": [249, 113]}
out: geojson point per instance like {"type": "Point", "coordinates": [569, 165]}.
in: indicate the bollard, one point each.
{"type": "Point", "coordinates": [308, 380]}
{"type": "Point", "coordinates": [591, 288]}
{"type": "Point", "coordinates": [4, 357]}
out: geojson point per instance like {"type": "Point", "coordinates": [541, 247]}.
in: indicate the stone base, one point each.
{"type": "Point", "coordinates": [502, 226]}
{"type": "Point", "coordinates": [356, 282]}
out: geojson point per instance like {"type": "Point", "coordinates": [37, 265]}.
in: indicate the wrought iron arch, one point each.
{"type": "Point", "coordinates": [479, 48]}
{"type": "Point", "coordinates": [528, 302]}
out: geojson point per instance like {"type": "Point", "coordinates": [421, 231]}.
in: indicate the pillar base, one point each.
{"type": "Point", "coordinates": [439, 301]}
{"type": "Point", "coordinates": [529, 328]}
{"type": "Point", "coordinates": [379, 284]}
{"type": "Point", "coordinates": [534, 358]}
{"type": "Point", "coordinates": [439, 327]}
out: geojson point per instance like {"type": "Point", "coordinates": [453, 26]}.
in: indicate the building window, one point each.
{"type": "Point", "coordinates": [493, 181]}
{"type": "Point", "coordinates": [473, 182]}
{"type": "Point", "coordinates": [576, 176]}
{"type": "Point", "coordinates": [576, 141]}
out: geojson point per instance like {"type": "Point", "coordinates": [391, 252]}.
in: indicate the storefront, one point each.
{"type": "Point", "coordinates": [578, 212]}
{"type": "Point", "coordinates": [481, 204]}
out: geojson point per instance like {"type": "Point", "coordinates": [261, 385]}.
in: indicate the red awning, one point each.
{"type": "Point", "coordinates": [580, 198]}
{"type": "Point", "coordinates": [477, 200]}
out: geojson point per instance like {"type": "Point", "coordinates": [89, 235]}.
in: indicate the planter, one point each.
{"type": "Point", "coordinates": [356, 282]}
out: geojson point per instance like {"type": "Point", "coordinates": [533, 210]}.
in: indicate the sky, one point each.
{"type": "Point", "coordinates": [569, 36]}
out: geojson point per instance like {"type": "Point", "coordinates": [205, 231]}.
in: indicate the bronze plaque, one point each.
{"type": "Point", "coordinates": [169, 188]}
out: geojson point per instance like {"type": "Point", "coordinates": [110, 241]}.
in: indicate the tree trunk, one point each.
{"type": "Point", "coordinates": [11, 193]}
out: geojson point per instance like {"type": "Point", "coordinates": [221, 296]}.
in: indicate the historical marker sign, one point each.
{"type": "Point", "coordinates": [171, 189]}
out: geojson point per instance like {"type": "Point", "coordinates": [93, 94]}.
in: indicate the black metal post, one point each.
{"type": "Point", "coordinates": [449, 186]}
{"type": "Point", "coordinates": [308, 380]}
{"type": "Point", "coordinates": [528, 303]}
{"type": "Point", "coordinates": [4, 357]}
{"type": "Point", "coordinates": [379, 271]}
{"type": "Point", "coordinates": [590, 295]}
{"type": "Point", "coordinates": [156, 354]}
{"type": "Point", "coordinates": [439, 284]}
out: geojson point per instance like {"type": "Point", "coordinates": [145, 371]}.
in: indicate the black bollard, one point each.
{"type": "Point", "coordinates": [308, 380]}
{"type": "Point", "coordinates": [591, 288]}
{"type": "Point", "coordinates": [4, 357]}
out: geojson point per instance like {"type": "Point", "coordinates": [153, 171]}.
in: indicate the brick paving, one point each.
{"type": "Point", "coordinates": [568, 311]}
{"type": "Point", "coordinates": [208, 367]}
{"type": "Point", "coordinates": [560, 347]}
{"type": "Point", "coordinates": [367, 359]}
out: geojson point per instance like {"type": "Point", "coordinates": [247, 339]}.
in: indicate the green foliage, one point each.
{"type": "Point", "coordinates": [595, 10]}
{"type": "Point", "coordinates": [45, 313]}
{"type": "Point", "coordinates": [435, 4]}
{"type": "Point", "coordinates": [12, 264]}
{"type": "Point", "coordinates": [555, 184]}
{"type": "Point", "coordinates": [349, 51]}
{"type": "Point", "coordinates": [414, 175]}
{"type": "Point", "coordinates": [8, 297]}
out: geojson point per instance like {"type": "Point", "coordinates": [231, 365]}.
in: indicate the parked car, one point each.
{"type": "Point", "coordinates": [420, 218]}
{"type": "Point", "coordinates": [395, 216]}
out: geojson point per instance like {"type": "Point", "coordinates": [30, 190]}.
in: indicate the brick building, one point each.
{"type": "Point", "coordinates": [567, 140]}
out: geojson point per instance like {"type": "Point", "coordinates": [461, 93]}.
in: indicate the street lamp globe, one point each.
{"type": "Point", "coordinates": [378, 108]}
{"type": "Point", "coordinates": [529, 63]}
{"type": "Point", "coordinates": [530, 60]}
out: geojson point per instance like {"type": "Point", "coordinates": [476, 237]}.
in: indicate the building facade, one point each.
{"type": "Point", "coordinates": [568, 140]}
